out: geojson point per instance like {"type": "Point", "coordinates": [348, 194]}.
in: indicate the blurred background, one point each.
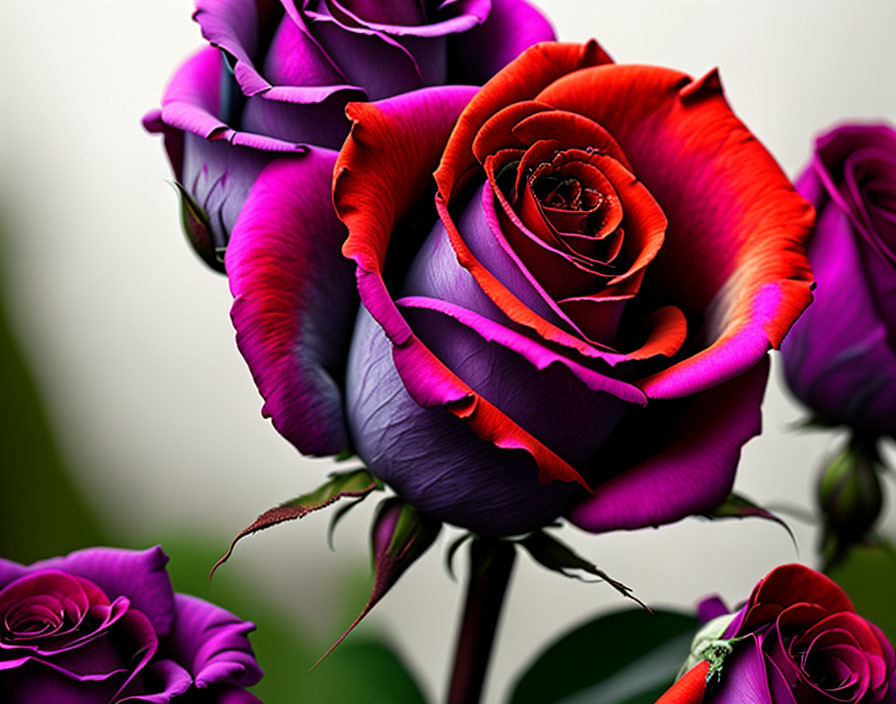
{"type": "Point", "coordinates": [129, 417]}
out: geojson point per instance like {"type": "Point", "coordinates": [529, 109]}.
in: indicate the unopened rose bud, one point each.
{"type": "Point", "coordinates": [849, 496]}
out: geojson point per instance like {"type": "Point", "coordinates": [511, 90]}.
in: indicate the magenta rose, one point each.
{"type": "Point", "coordinates": [103, 626]}
{"type": "Point", "coordinates": [797, 640]}
{"type": "Point", "coordinates": [840, 357]}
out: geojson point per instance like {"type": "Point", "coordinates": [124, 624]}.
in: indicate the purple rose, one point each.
{"type": "Point", "coordinates": [840, 357]}
{"type": "Point", "coordinates": [797, 640]}
{"type": "Point", "coordinates": [288, 70]}
{"type": "Point", "coordinates": [103, 626]}
{"type": "Point", "coordinates": [252, 140]}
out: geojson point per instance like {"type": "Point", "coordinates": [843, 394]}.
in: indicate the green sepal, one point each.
{"type": "Point", "coordinates": [356, 483]}
{"type": "Point", "coordinates": [738, 506]}
{"type": "Point", "coordinates": [195, 223]}
{"type": "Point", "coordinates": [399, 535]}
{"type": "Point", "coordinates": [551, 553]}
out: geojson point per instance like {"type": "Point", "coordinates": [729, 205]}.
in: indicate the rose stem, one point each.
{"type": "Point", "coordinates": [491, 564]}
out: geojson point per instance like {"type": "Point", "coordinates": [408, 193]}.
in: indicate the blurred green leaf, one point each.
{"type": "Point", "coordinates": [626, 657]}
{"type": "Point", "coordinates": [867, 574]}
{"type": "Point", "coordinates": [363, 669]}
{"type": "Point", "coordinates": [41, 513]}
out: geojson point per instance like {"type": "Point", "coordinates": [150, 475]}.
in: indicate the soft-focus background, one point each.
{"type": "Point", "coordinates": [129, 417]}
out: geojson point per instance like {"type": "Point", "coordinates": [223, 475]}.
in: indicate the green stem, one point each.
{"type": "Point", "coordinates": [491, 564]}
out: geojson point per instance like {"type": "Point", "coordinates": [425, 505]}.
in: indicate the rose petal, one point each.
{"type": "Point", "coordinates": [171, 677]}
{"type": "Point", "coordinates": [837, 357]}
{"type": "Point", "coordinates": [510, 27]}
{"type": "Point", "coordinates": [420, 451]}
{"type": "Point", "coordinates": [212, 644]}
{"type": "Point", "coordinates": [682, 138]}
{"type": "Point", "coordinates": [523, 78]}
{"type": "Point", "coordinates": [139, 576]}
{"type": "Point", "coordinates": [705, 434]}
{"type": "Point", "coordinates": [744, 680]}
{"type": "Point", "coordinates": [788, 584]}
{"type": "Point", "coordinates": [293, 305]}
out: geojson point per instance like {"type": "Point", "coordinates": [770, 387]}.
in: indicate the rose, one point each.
{"type": "Point", "coordinates": [840, 358]}
{"type": "Point", "coordinates": [288, 71]}
{"type": "Point", "coordinates": [103, 625]}
{"type": "Point", "coordinates": [613, 255]}
{"type": "Point", "coordinates": [797, 640]}
{"type": "Point", "coordinates": [259, 137]}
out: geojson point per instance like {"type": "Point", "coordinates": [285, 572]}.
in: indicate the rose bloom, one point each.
{"type": "Point", "coordinates": [797, 640]}
{"type": "Point", "coordinates": [840, 359]}
{"type": "Point", "coordinates": [103, 626]}
{"type": "Point", "coordinates": [287, 71]}
{"type": "Point", "coordinates": [573, 317]}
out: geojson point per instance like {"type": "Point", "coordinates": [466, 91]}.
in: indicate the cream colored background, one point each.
{"type": "Point", "coordinates": [131, 342]}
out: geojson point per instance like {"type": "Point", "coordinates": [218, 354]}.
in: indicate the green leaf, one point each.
{"type": "Point", "coordinates": [626, 657]}
{"type": "Point", "coordinates": [867, 573]}
{"type": "Point", "coordinates": [360, 671]}
{"type": "Point", "coordinates": [198, 230]}
{"type": "Point", "coordinates": [554, 555]}
{"type": "Point", "coordinates": [357, 483]}
{"type": "Point", "coordinates": [42, 511]}
{"type": "Point", "coordinates": [737, 506]}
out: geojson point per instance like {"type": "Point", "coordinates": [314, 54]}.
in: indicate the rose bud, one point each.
{"type": "Point", "coordinates": [103, 625]}
{"type": "Point", "coordinates": [578, 321]}
{"type": "Point", "coordinates": [840, 357]}
{"type": "Point", "coordinates": [797, 640]}
{"type": "Point", "coordinates": [252, 139]}
{"type": "Point", "coordinates": [849, 496]}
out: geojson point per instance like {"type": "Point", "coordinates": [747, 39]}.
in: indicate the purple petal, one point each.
{"type": "Point", "coordinates": [432, 458]}
{"type": "Point", "coordinates": [212, 644]}
{"type": "Point", "coordinates": [369, 59]}
{"type": "Point", "coordinates": [36, 683]}
{"type": "Point", "coordinates": [710, 608]}
{"type": "Point", "coordinates": [193, 103]}
{"type": "Point", "coordinates": [837, 358]}
{"type": "Point", "coordinates": [171, 678]}
{"type": "Point", "coordinates": [744, 678]}
{"type": "Point", "coordinates": [139, 576]}
{"type": "Point", "coordinates": [693, 473]}
{"type": "Point", "coordinates": [511, 28]}
{"type": "Point", "coordinates": [294, 299]}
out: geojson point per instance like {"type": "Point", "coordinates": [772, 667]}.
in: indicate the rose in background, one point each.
{"type": "Point", "coordinates": [258, 129]}
{"type": "Point", "coordinates": [103, 625]}
{"type": "Point", "coordinates": [840, 357]}
{"type": "Point", "coordinates": [797, 640]}
{"type": "Point", "coordinates": [612, 255]}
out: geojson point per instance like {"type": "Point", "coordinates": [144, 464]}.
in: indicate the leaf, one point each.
{"type": "Point", "coordinates": [626, 657]}
{"type": "Point", "coordinates": [42, 509]}
{"type": "Point", "coordinates": [737, 506]}
{"type": "Point", "coordinates": [198, 230]}
{"type": "Point", "coordinates": [399, 535]}
{"type": "Point", "coordinates": [360, 667]}
{"type": "Point", "coordinates": [551, 553]}
{"type": "Point", "coordinates": [867, 573]}
{"type": "Point", "coordinates": [358, 482]}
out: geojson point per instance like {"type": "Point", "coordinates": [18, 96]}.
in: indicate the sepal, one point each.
{"type": "Point", "coordinates": [199, 232]}
{"type": "Point", "coordinates": [399, 535]}
{"type": "Point", "coordinates": [357, 483]}
{"type": "Point", "coordinates": [551, 553]}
